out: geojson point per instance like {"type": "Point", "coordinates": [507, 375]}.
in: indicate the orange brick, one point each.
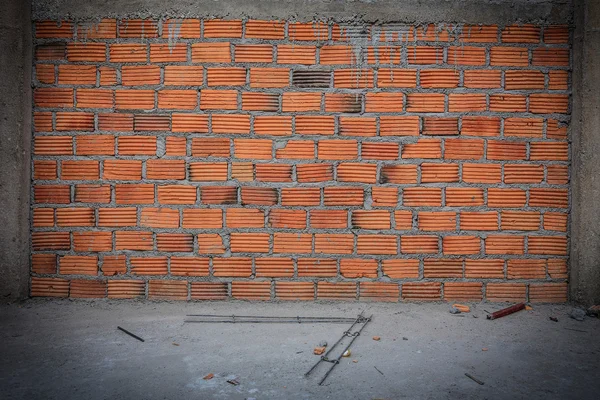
{"type": "Point", "coordinates": [257, 29]}
{"type": "Point", "coordinates": [93, 241]}
{"type": "Point", "coordinates": [506, 292]}
{"type": "Point", "coordinates": [126, 289]}
{"type": "Point", "coordinates": [209, 291]}
{"type": "Point", "coordinates": [343, 196]}
{"type": "Point", "coordinates": [219, 195]}
{"type": "Point", "coordinates": [334, 243]}
{"type": "Point", "coordinates": [292, 243]}
{"type": "Point", "coordinates": [202, 218]}
{"type": "Point", "coordinates": [174, 242]}
{"type": "Point", "coordinates": [548, 293]}
{"type": "Point", "coordinates": [439, 78]}
{"type": "Point", "coordinates": [260, 102]}
{"type": "Point", "coordinates": [50, 241]}
{"type": "Point", "coordinates": [422, 196]}
{"type": "Point", "coordinates": [329, 219]}
{"type": "Point", "coordinates": [168, 290]}
{"type": "Point", "coordinates": [425, 55]}
{"type": "Point", "coordinates": [377, 244]}
{"type": "Point", "coordinates": [459, 245]}
{"type": "Point", "coordinates": [379, 291]}
{"type": "Point", "coordinates": [54, 29]}
{"type": "Point", "coordinates": [184, 75]}
{"type": "Point", "coordinates": [504, 244]}
{"type": "Point", "coordinates": [181, 28]}
{"type": "Point", "coordinates": [336, 291]}
{"type": "Point", "coordinates": [43, 263]}
{"type": "Point", "coordinates": [165, 169]}
{"type": "Point", "coordinates": [437, 221]}
{"type": "Point", "coordinates": [478, 220]}
{"type": "Point", "coordinates": [148, 265]}
{"type": "Point", "coordinates": [138, 28]}
{"type": "Point", "coordinates": [509, 56]}
{"type": "Point", "coordinates": [484, 268]}
{"type": "Point", "coordinates": [49, 287]}
{"type": "Point", "coordinates": [173, 52]}
{"type": "Point", "coordinates": [217, 28]}
{"type": "Point", "coordinates": [114, 265]}
{"type": "Point", "coordinates": [482, 79]}
{"type": "Point", "coordinates": [418, 244]}
{"type": "Point", "coordinates": [431, 172]}
{"type": "Point", "coordinates": [86, 51]}
{"type": "Point", "coordinates": [396, 78]}
{"type": "Point", "coordinates": [78, 265]}
{"type": "Point", "coordinates": [117, 217]}
{"type": "Point", "coordinates": [274, 267]}
{"type": "Point", "coordinates": [296, 54]}
{"type": "Point", "coordinates": [401, 268]}
{"type": "Point", "coordinates": [421, 291]}
{"type": "Point", "coordinates": [287, 219]}
{"type": "Point", "coordinates": [213, 52]}
{"type": "Point", "coordinates": [262, 196]}
{"type": "Point", "coordinates": [245, 218]}
{"type": "Point", "coordinates": [177, 99]}
{"type": "Point", "coordinates": [466, 291]}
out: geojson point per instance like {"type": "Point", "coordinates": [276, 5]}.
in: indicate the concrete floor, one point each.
{"type": "Point", "coordinates": [65, 349]}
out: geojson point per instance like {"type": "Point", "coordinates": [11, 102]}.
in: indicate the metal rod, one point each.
{"type": "Point", "coordinates": [337, 361]}
{"type": "Point", "coordinates": [211, 318]}
{"type": "Point", "coordinates": [264, 317]}
{"type": "Point", "coordinates": [324, 321]}
{"type": "Point", "coordinates": [324, 356]}
{"type": "Point", "coordinates": [506, 311]}
{"type": "Point", "coordinates": [130, 334]}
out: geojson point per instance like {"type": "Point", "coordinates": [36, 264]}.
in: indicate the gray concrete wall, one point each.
{"type": "Point", "coordinates": [15, 145]}
{"type": "Point", "coordinates": [585, 174]}
{"type": "Point", "coordinates": [464, 11]}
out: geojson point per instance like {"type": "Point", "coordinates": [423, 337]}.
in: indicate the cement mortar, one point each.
{"type": "Point", "coordinates": [73, 350]}
{"type": "Point", "coordinates": [15, 144]}
{"type": "Point", "coordinates": [465, 11]}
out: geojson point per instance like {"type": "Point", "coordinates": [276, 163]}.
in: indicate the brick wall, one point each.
{"type": "Point", "coordinates": [208, 159]}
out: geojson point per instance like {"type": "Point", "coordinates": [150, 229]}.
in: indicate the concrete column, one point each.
{"type": "Point", "coordinates": [15, 147]}
{"type": "Point", "coordinates": [585, 174]}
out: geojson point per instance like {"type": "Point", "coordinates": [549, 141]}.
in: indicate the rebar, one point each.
{"type": "Point", "coordinates": [258, 319]}
{"type": "Point", "coordinates": [347, 333]}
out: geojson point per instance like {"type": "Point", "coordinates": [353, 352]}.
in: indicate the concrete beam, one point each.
{"type": "Point", "coordinates": [585, 174]}
{"type": "Point", "coordinates": [460, 11]}
{"type": "Point", "coordinates": [15, 145]}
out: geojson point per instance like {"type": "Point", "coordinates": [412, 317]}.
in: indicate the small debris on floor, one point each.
{"type": "Point", "coordinates": [454, 310]}
{"type": "Point", "coordinates": [378, 370]}
{"type": "Point", "coordinates": [209, 377]}
{"type": "Point", "coordinates": [484, 349]}
{"type": "Point", "coordinates": [594, 311]}
{"type": "Point", "coordinates": [577, 314]}
{"type": "Point", "coordinates": [175, 344]}
{"type": "Point", "coordinates": [528, 308]}
{"type": "Point", "coordinates": [323, 343]}
{"type": "Point", "coordinates": [299, 352]}
{"type": "Point", "coordinates": [474, 379]}
{"type": "Point", "coordinates": [355, 361]}
{"type": "Point", "coordinates": [404, 338]}
{"type": "Point", "coordinates": [319, 350]}
{"type": "Point", "coordinates": [376, 338]}
{"type": "Point", "coordinates": [234, 382]}
{"type": "Point", "coordinates": [347, 353]}
{"type": "Point", "coordinates": [553, 319]}
{"type": "Point", "coordinates": [462, 308]}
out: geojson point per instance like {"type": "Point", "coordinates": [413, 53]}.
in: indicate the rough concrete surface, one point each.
{"type": "Point", "coordinates": [72, 350]}
{"type": "Point", "coordinates": [585, 243]}
{"type": "Point", "coordinates": [464, 11]}
{"type": "Point", "coordinates": [15, 143]}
